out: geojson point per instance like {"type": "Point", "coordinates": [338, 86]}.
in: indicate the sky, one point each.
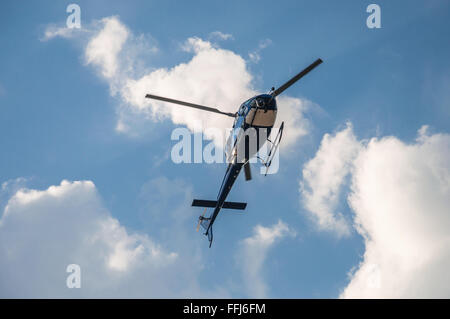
{"type": "Point", "coordinates": [360, 205]}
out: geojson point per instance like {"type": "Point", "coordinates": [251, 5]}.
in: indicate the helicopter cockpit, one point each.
{"type": "Point", "coordinates": [263, 111]}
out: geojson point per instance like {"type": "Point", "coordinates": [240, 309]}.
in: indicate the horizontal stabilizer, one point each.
{"type": "Point", "coordinates": [213, 203]}
{"type": "Point", "coordinates": [234, 205]}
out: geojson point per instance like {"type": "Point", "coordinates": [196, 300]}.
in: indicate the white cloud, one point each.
{"type": "Point", "coordinates": [213, 76]}
{"type": "Point", "coordinates": [9, 188]}
{"type": "Point", "coordinates": [401, 199]}
{"type": "Point", "coordinates": [253, 254]}
{"type": "Point", "coordinates": [104, 47]}
{"type": "Point", "coordinates": [400, 196]}
{"type": "Point", "coordinates": [323, 177]}
{"type": "Point", "coordinates": [41, 232]}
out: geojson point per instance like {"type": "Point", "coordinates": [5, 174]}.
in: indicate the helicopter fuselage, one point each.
{"type": "Point", "coordinates": [252, 126]}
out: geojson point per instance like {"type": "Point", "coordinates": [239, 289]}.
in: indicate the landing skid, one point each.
{"type": "Point", "coordinates": [273, 149]}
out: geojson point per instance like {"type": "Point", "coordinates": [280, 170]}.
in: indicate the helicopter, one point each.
{"type": "Point", "coordinates": [255, 116]}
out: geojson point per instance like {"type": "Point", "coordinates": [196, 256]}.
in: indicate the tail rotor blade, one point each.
{"type": "Point", "coordinates": [296, 78]}
{"type": "Point", "coordinates": [200, 219]}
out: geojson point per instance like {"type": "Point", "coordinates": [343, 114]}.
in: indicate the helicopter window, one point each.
{"type": "Point", "coordinates": [242, 109]}
{"type": "Point", "coordinates": [253, 103]}
{"type": "Point", "coordinates": [260, 102]}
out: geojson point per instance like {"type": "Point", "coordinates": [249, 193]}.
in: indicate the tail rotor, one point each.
{"type": "Point", "coordinates": [200, 218]}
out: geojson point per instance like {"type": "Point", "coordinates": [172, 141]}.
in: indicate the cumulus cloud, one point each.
{"type": "Point", "coordinates": [324, 176]}
{"type": "Point", "coordinates": [9, 188]}
{"type": "Point", "coordinates": [400, 197]}
{"type": "Point", "coordinates": [253, 253]}
{"type": "Point", "coordinates": [213, 76]}
{"type": "Point", "coordinates": [43, 231]}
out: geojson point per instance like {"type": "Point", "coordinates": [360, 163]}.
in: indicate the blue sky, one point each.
{"type": "Point", "coordinates": [58, 121]}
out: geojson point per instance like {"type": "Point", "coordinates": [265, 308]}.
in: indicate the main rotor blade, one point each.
{"type": "Point", "coordinates": [247, 171]}
{"type": "Point", "coordinates": [197, 106]}
{"type": "Point", "coordinates": [296, 78]}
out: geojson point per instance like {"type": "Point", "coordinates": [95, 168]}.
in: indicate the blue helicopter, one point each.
{"type": "Point", "coordinates": [256, 115]}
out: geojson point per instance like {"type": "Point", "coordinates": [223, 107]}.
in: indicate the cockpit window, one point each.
{"type": "Point", "coordinates": [263, 102]}
{"type": "Point", "coordinates": [260, 102]}
{"type": "Point", "coordinates": [242, 109]}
